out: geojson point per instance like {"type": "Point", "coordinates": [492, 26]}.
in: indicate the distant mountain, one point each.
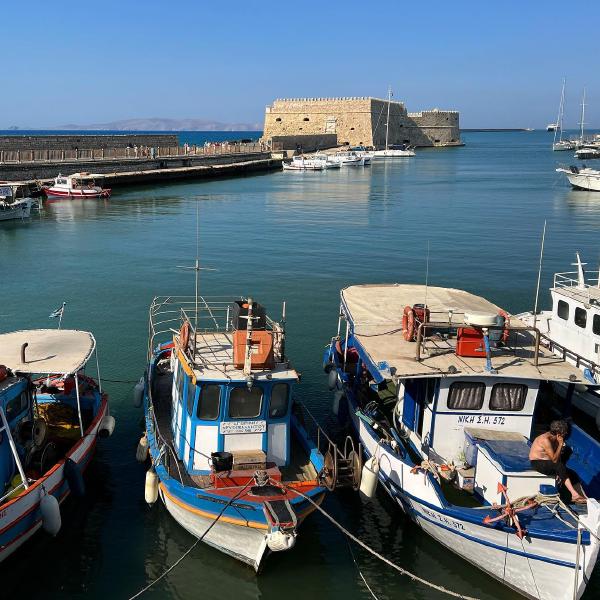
{"type": "Point", "coordinates": [158, 124]}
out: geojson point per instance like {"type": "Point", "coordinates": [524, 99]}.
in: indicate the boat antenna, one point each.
{"type": "Point", "coordinates": [426, 274]}
{"type": "Point", "coordinates": [539, 277]}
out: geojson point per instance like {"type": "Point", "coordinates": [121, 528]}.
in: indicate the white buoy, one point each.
{"type": "Point", "coordinates": [278, 541]}
{"type": "Point", "coordinates": [50, 510]}
{"type": "Point", "coordinates": [337, 399]}
{"type": "Point", "coordinates": [141, 454]}
{"type": "Point", "coordinates": [368, 481]}
{"type": "Point", "coordinates": [151, 488]}
{"type": "Point", "coordinates": [138, 393]}
{"type": "Point", "coordinates": [332, 379]}
{"type": "Point", "coordinates": [107, 426]}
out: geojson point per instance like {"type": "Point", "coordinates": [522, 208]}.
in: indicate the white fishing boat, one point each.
{"type": "Point", "coordinates": [348, 159]}
{"type": "Point", "coordinates": [299, 163]}
{"type": "Point", "coordinates": [571, 329]}
{"type": "Point", "coordinates": [13, 204]}
{"type": "Point", "coordinates": [582, 178]}
{"type": "Point", "coordinates": [446, 391]}
{"type": "Point", "coordinates": [78, 185]}
{"type": "Point", "coordinates": [326, 160]}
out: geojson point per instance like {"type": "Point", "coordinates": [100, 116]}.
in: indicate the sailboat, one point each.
{"type": "Point", "coordinates": [561, 144]}
{"type": "Point", "coordinates": [392, 151]}
{"type": "Point", "coordinates": [586, 149]}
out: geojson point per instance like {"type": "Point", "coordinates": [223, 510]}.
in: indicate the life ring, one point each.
{"type": "Point", "coordinates": [505, 331]}
{"type": "Point", "coordinates": [408, 324]}
{"type": "Point", "coordinates": [184, 334]}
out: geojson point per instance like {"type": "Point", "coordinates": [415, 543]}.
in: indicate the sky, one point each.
{"type": "Point", "coordinates": [500, 64]}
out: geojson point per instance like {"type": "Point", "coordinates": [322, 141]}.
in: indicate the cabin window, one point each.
{"type": "Point", "coordinates": [16, 406]}
{"type": "Point", "coordinates": [508, 396]}
{"type": "Point", "coordinates": [245, 403]}
{"type": "Point", "coordinates": [580, 317]}
{"type": "Point", "coordinates": [563, 310]}
{"type": "Point", "coordinates": [596, 324]}
{"type": "Point", "coordinates": [279, 401]}
{"type": "Point", "coordinates": [190, 397]}
{"type": "Point", "coordinates": [209, 402]}
{"type": "Point", "coordinates": [466, 395]}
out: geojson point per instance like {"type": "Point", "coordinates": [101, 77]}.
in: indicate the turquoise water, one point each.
{"type": "Point", "coordinates": [294, 236]}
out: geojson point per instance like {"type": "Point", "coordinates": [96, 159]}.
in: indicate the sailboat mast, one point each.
{"type": "Point", "coordinates": [387, 125]}
{"type": "Point", "coordinates": [559, 120]}
{"type": "Point", "coordinates": [582, 116]}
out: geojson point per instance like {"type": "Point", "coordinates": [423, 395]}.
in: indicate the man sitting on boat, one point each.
{"type": "Point", "coordinates": [546, 456]}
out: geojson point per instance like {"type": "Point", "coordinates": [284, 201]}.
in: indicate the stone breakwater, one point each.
{"type": "Point", "coordinates": [74, 141]}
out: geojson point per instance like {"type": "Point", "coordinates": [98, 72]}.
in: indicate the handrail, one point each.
{"type": "Point", "coordinates": [566, 353]}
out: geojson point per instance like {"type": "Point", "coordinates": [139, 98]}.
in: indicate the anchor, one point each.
{"type": "Point", "coordinates": [509, 513]}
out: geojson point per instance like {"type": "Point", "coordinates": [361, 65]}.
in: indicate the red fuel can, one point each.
{"type": "Point", "coordinates": [469, 343]}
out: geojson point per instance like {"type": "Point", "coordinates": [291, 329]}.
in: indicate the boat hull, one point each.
{"type": "Point", "coordinates": [21, 210]}
{"type": "Point", "coordinates": [584, 182]}
{"type": "Point", "coordinates": [20, 517]}
{"type": "Point", "coordinates": [379, 154]}
{"type": "Point", "coordinates": [56, 193]}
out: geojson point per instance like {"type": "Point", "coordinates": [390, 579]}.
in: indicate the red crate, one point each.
{"type": "Point", "coordinates": [470, 343]}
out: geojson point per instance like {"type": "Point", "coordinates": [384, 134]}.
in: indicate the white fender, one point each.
{"type": "Point", "coordinates": [107, 426]}
{"type": "Point", "coordinates": [332, 379]}
{"type": "Point", "coordinates": [151, 488]}
{"type": "Point", "coordinates": [141, 454]}
{"type": "Point", "coordinates": [138, 393]}
{"type": "Point", "coordinates": [337, 399]}
{"type": "Point", "coordinates": [50, 510]}
{"type": "Point", "coordinates": [277, 541]}
{"type": "Point", "coordinates": [368, 481]}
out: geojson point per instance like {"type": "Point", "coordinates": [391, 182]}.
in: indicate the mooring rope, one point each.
{"type": "Point", "coordinates": [388, 562]}
{"type": "Point", "coordinates": [198, 540]}
{"type": "Point", "coordinates": [360, 572]}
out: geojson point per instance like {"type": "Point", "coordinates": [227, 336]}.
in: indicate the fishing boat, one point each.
{"type": "Point", "coordinates": [232, 459]}
{"type": "Point", "coordinates": [11, 206]}
{"type": "Point", "coordinates": [571, 329]}
{"type": "Point", "coordinates": [299, 163]}
{"type": "Point", "coordinates": [51, 414]}
{"type": "Point", "coordinates": [326, 160]}
{"type": "Point", "coordinates": [349, 159]}
{"type": "Point", "coordinates": [582, 178]}
{"type": "Point", "coordinates": [446, 391]}
{"type": "Point", "coordinates": [78, 185]}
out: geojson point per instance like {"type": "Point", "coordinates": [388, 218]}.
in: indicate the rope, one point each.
{"type": "Point", "coordinates": [360, 572]}
{"type": "Point", "coordinates": [198, 540]}
{"type": "Point", "coordinates": [388, 562]}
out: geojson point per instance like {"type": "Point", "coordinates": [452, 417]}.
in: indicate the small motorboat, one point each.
{"type": "Point", "coordinates": [327, 162]}
{"type": "Point", "coordinates": [49, 426]}
{"type": "Point", "coordinates": [78, 185]}
{"type": "Point", "coordinates": [232, 459]}
{"type": "Point", "coordinates": [299, 163]}
{"type": "Point", "coordinates": [582, 178]}
{"type": "Point", "coordinates": [588, 152]}
{"type": "Point", "coordinates": [348, 159]}
{"type": "Point", "coordinates": [13, 203]}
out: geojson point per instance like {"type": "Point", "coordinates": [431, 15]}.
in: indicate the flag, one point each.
{"type": "Point", "coordinates": [58, 312]}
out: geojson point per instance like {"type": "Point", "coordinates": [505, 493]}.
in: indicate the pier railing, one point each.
{"type": "Point", "coordinates": [136, 153]}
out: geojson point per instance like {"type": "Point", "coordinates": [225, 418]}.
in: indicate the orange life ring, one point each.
{"type": "Point", "coordinates": [505, 331]}
{"type": "Point", "coordinates": [408, 324]}
{"type": "Point", "coordinates": [184, 334]}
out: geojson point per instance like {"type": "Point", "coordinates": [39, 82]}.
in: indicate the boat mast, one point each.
{"type": "Point", "coordinates": [387, 124]}
{"type": "Point", "coordinates": [582, 116]}
{"type": "Point", "coordinates": [559, 119]}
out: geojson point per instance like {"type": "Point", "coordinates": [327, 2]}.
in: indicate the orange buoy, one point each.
{"type": "Point", "coordinates": [184, 334]}
{"type": "Point", "coordinates": [408, 324]}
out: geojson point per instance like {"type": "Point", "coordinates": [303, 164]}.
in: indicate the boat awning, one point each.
{"type": "Point", "coordinates": [48, 350]}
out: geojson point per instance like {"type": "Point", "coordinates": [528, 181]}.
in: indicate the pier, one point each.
{"type": "Point", "coordinates": [133, 163]}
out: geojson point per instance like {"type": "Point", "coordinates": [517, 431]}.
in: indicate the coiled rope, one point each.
{"type": "Point", "coordinates": [376, 554]}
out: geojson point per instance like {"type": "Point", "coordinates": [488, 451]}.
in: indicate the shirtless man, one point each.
{"type": "Point", "coordinates": [545, 456]}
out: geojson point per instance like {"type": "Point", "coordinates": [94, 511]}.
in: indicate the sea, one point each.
{"type": "Point", "coordinates": [476, 211]}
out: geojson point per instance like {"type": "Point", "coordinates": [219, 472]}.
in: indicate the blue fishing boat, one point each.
{"type": "Point", "coordinates": [49, 426]}
{"type": "Point", "coordinates": [231, 458]}
{"type": "Point", "coordinates": [446, 393]}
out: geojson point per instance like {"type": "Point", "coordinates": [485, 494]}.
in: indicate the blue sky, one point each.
{"type": "Point", "coordinates": [499, 63]}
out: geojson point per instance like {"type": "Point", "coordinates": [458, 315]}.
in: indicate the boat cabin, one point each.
{"type": "Point", "coordinates": [463, 383]}
{"type": "Point", "coordinates": [231, 389]}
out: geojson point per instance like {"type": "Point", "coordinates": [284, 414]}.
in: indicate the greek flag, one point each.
{"type": "Point", "coordinates": [58, 312]}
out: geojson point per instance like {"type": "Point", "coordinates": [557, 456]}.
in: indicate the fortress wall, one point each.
{"type": "Point", "coordinates": [87, 142]}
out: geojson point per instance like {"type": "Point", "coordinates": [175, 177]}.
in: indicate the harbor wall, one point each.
{"type": "Point", "coordinates": [360, 121]}
{"type": "Point", "coordinates": [306, 143]}
{"type": "Point", "coordinates": [142, 169]}
{"type": "Point", "coordinates": [72, 142]}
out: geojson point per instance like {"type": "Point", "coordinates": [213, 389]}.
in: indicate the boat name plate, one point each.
{"type": "Point", "coordinates": [226, 427]}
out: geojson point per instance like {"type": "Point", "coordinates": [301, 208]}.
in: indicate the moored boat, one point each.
{"type": "Point", "coordinates": [48, 428]}
{"type": "Point", "coordinates": [445, 391]}
{"type": "Point", "coordinates": [394, 151]}
{"type": "Point", "coordinates": [582, 178]}
{"type": "Point", "coordinates": [588, 152]}
{"type": "Point", "coordinates": [348, 159]}
{"type": "Point", "coordinates": [299, 163]}
{"type": "Point", "coordinates": [78, 185]}
{"type": "Point", "coordinates": [14, 201]}
{"type": "Point", "coordinates": [231, 457]}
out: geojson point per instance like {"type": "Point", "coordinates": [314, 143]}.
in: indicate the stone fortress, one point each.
{"type": "Point", "coordinates": [356, 121]}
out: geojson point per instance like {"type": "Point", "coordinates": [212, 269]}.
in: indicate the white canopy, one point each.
{"type": "Point", "coordinates": [48, 350]}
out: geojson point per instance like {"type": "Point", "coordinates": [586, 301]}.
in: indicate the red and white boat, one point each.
{"type": "Point", "coordinates": [78, 185]}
